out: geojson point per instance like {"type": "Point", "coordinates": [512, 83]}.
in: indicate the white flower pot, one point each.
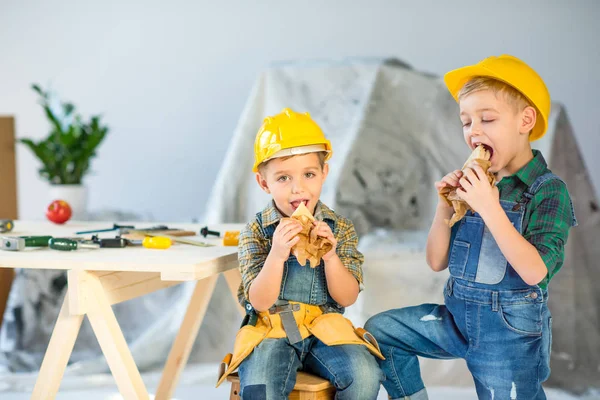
{"type": "Point", "coordinates": [75, 195]}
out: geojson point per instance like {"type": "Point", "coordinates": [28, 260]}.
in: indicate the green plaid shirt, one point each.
{"type": "Point", "coordinates": [549, 214]}
{"type": "Point", "coordinates": [254, 247]}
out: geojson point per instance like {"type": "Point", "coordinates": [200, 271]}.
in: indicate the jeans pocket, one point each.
{"type": "Point", "coordinates": [524, 318]}
{"type": "Point", "coordinates": [459, 255]}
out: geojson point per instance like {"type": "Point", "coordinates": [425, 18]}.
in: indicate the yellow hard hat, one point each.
{"type": "Point", "coordinates": [513, 72]}
{"type": "Point", "coordinates": [288, 133]}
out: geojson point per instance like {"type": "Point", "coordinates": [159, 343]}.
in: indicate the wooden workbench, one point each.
{"type": "Point", "coordinates": [99, 278]}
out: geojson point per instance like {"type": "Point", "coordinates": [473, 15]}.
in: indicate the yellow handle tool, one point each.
{"type": "Point", "coordinates": [156, 242]}
{"type": "Point", "coordinates": [231, 238]}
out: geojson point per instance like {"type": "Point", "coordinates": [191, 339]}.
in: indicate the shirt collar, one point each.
{"type": "Point", "coordinates": [534, 168]}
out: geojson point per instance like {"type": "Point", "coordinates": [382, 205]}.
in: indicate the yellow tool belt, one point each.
{"type": "Point", "coordinates": [331, 329]}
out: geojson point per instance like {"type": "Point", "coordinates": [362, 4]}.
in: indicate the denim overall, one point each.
{"type": "Point", "coordinates": [494, 320]}
{"type": "Point", "coordinates": [269, 372]}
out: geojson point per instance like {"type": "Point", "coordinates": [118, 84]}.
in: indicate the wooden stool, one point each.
{"type": "Point", "coordinates": [308, 387]}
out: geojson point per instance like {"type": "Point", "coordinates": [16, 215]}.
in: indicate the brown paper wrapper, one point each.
{"type": "Point", "coordinates": [482, 157]}
{"type": "Point", "coordinates": [310, 247]}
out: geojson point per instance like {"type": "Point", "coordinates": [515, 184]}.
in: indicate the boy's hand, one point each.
{"type": "Point", "coordinates": [450, 180]}
{"type": "Point", "coordinates": [284, 238]}
{"type": "Point", "coordinates": [322, 229]}
{"type": "Point", "coordinates": [476, 189]}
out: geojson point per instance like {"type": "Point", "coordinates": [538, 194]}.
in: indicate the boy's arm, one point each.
{"type": "Point", "coordinates": [438, 239]}
{"type": "Point", "coordinates": [265, 263]}
{"type": "Point", "coordinates": [252, 255]}
{"type": "Point", "coordinates": [343, 264]}
{"type": "Point", "coordinates": [548, 228]}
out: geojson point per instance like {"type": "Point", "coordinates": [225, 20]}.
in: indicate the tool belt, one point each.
{"type": "Point", "coordinates": [296, 321]}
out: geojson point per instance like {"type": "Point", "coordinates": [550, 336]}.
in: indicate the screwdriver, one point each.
{"type": "Point", "coordinates": [156, 242]}
{"type": "Point", "coordinates": [64, 244]}
{"type": "Point", "coordinates": [19, 243]}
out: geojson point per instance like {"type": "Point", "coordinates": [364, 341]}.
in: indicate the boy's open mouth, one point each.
{"type": "Point", "coordinates": [486, 147]}
{"type": "Point", "coordinates": [296, 203]}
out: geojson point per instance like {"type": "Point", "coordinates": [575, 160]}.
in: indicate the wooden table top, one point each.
{"type": "Point", "coordinates": [179, 258]}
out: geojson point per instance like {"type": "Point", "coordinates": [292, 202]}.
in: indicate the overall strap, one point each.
{"type": "Point", "coordinates": [539, 181]}
{"type": "Point", "coordinates": [537, 184]}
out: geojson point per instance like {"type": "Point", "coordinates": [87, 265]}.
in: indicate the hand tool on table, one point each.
{"type": "Point", "coordinates": [231, 238]}
{"type": "Point", "coordinates": [64, 244]}
{"type": "Point", "coordinates": [19, 243]}
{"type": "Point", "coordinates": [6, 225]}
{"type": "Point", "coordinates": [205, 231]}
{"type": "Point", "coordinates": [177, 239]}
{"type": "Point", "coordinates": [114, 228]}
{"type": "Point", "coordinates": [114, 243]}
{"type": "Point", "coordinates": [157, 242]}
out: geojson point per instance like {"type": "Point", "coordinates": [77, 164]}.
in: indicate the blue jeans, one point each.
{"type": "Point", "coordinates": [504, 336]}
{"type": "Point", "coordinates": [270, 371]}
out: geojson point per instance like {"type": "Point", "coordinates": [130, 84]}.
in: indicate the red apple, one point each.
{"type": "Point", "coordinates": [59, 211]}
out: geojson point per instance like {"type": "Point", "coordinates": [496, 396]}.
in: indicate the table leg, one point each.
{"type": "Point", "coordinates": [112, 342]}
{"type": "Point", "coordinates": [234, 279]}
{"type": "Point", "coordinates": [184, 341]}
{"type": "Point", "coordinates": [57, 355]}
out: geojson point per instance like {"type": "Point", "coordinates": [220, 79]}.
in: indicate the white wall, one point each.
{"type": "Point", "coordinates": [171, 77]}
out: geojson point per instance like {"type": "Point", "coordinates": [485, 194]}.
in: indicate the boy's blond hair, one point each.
{"type": "Point", "coordinates": [510, 94]}
{"type": "Point", "coordinates": [321, 154]}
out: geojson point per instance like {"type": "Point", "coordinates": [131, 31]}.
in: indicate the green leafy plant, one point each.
{"type": "Point", "coordinates": [66, 152]}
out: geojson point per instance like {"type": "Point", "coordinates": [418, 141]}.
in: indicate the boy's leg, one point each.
{"type": "Point", "coordinates": [349, 367]}
{"type": "Point", "coordinates": [510, 359]}
{"type": "Point", "coordinates": [428, 330]}
{"type": "Point", "coordinates": [269, 372]}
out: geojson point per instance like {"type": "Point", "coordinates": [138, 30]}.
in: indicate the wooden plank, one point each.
{"type": "Point", "coordinates": [310, 382]}
{"type": "Point", "coordinates": [112, 342]}
{"type": "Point", "coordinates": [307, 387]}
{"type": "Point", "coordinates": [184, 341]}
{"type": "Point", "coordinates": [234, 279]}
{"type": "Point", "coordinates": [8, 166]}
{"type": "Point", "coordinates": [8, 199]}
{"type": "Point", "coordinates": [6, 278]}
{"type": "Point", "coordinates": [204, 270]}
{"type": "Point", "coordinates": [77, 292]}
{"type": "Point", "coordinates": [123, 286]}
{"type": "Point", "coordinates": [58, 353]}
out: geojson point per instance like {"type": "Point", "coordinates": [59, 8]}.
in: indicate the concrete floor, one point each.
{"type": "Point", "coordinates": [196, 382]}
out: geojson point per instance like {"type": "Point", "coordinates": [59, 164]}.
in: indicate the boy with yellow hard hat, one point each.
{"type": "Point", "coordinates": [501, 255]}
{"type": "Point", "coordinates": [295, 319]}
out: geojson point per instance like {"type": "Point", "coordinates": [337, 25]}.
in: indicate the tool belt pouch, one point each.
{"type": "Point", "coordinates": [333, 329]}
{"type": "Point", "coordinates": [246, 340]}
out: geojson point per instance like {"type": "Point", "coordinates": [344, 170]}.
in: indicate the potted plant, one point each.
{"type": "Point", "coordinates": [66, 152]}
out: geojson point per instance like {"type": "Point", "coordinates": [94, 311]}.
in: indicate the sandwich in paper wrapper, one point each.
{"type": "Point", "coordinates": [310, 247]}
{"type": "Point", "coordinates": [482, 157]}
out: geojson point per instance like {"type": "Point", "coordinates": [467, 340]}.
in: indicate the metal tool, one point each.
{"type": "Point", "coordinates": [205, 231]}
{"type": "Point", "coordinates": [111, 243]}
{"type": "Point", "coordinates": [65, 244]}
{"type": "Point", "coordinates": [6, 225]}
{"type": "Point", "coordinates": [160, 229]}
{"type": "Point", "coordinates": [177, 239]}
{"type": "Point", "coordinates": [114, 228]}
{"type": "Point", "coordinates": [19, 243]}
